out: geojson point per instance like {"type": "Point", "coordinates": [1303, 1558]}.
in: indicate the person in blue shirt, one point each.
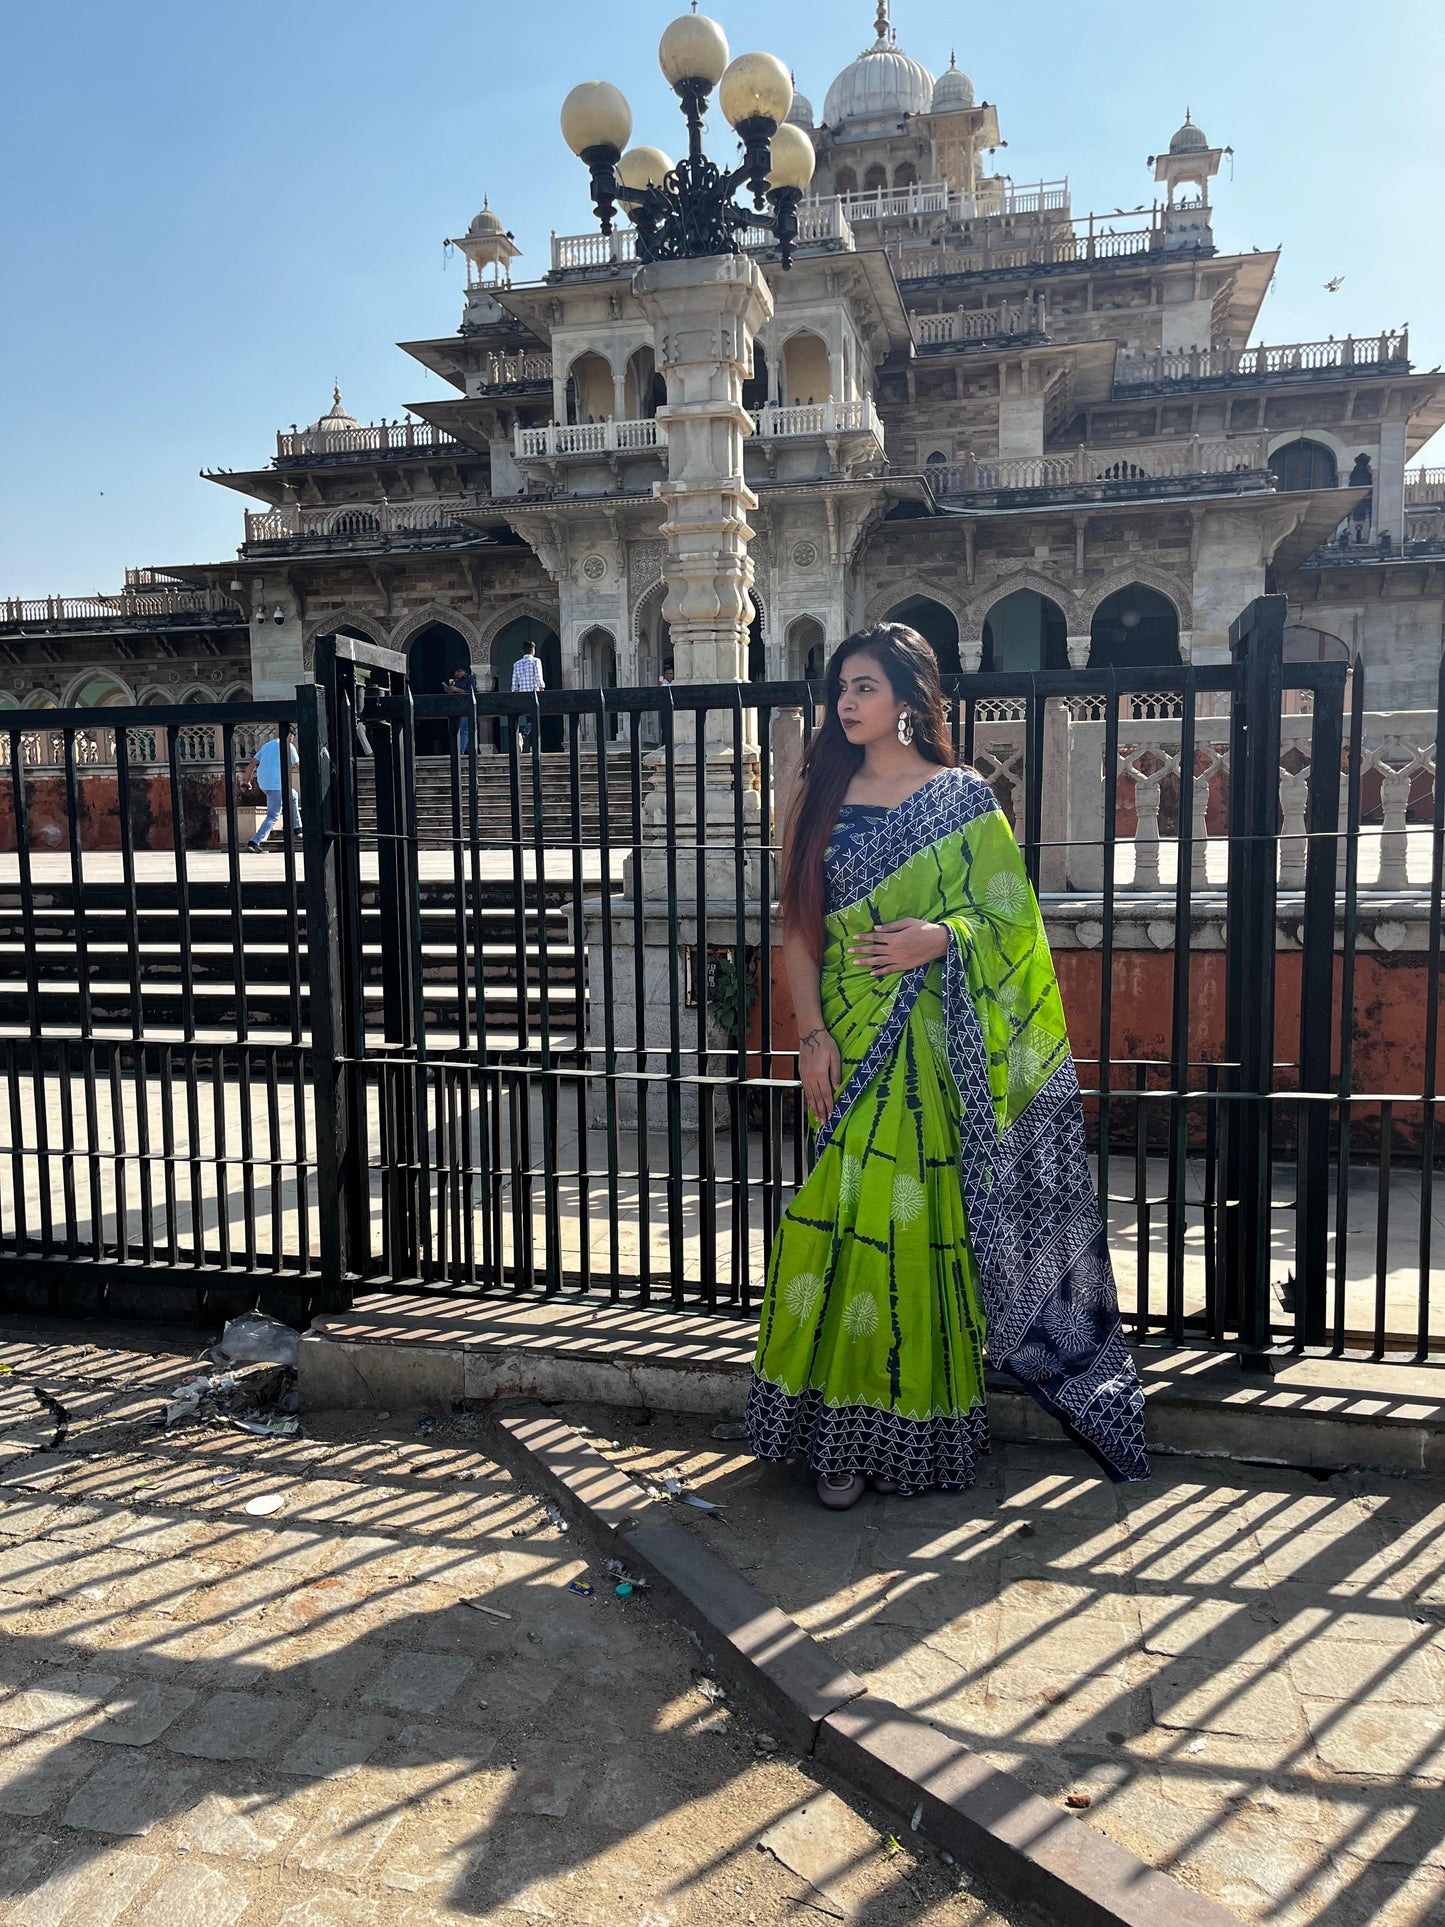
{"type": "Point", "coordinates": [266, 768]}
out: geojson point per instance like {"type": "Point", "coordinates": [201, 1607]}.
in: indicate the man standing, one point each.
{"type": "Point", "coordinates": [461, 682]}
{"type": "Point", "coordinates": [266, 768]}
{"type": "Point", "coordinates": [526, 677]}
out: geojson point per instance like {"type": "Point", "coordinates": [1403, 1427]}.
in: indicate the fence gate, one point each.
{"type": "Point", "coordinates": [506, 1012]}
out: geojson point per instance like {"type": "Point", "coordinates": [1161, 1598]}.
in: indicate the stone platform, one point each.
{"type": "Point", "coordinates": [436, 1351]}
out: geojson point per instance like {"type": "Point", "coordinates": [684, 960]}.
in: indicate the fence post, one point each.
{"type": "Point", "coordinates": [1317, 983]}
{"type": "Point", "coordinates": [1256, 640]}
{"type": "Point", "coordinates": [332, 1121]}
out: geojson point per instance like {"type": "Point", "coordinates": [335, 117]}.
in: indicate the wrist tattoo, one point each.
{"type": "Point", "coordinates": [814, 1036]}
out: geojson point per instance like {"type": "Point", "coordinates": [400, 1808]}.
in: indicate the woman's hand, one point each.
{"type": "Point", "coordinates": [893, 947]}
{"type": "Point", "coordinates": [820, 1065]}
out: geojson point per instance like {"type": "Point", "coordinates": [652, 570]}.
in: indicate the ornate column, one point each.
{"type": "Point", "coordinates": [705, 313]}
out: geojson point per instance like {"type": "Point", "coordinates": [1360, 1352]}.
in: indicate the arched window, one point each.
{"type": "Point", "coordinates": [1304, 464]}
{"type": "Point", "coordinates": [590, 396]}
{"type": "Point", "coordinates": [937, 459]}
{"type": "Point", "coordinates": [1025, 632]}
{"type": "Point", "coordinates": [509, 643]}
{"type": "Point", "coordinates": [905, 175]}
{"type": "Point", "coordinates": [644, 390]}
{"type": "Point", "coordinates": [598, 650]}
{"type": "Point", "coordinates": [433, 654]}
{"type": "Point", "coordinates": [807, 650]}
{"type": "Point", "coordinates": [755, 388]}
{"type": "Point", "coordinates": [806, 371]}
{"type": "Point", "coordinates": [845, 181]}
{"type": "Point", "coordinates": [875, 179]}
{"type": "Point", "coordinates": [1134, 628]}
{"type": "Point", "coordinates": [937, 626]}
{"type": "Point", "coordinates": [101, 692]}
{"type": "Point", "coordinates": [757, 650]}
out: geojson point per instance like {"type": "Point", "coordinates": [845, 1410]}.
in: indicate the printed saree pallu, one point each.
{"type": "Point", "coordinates": [951, 1198]}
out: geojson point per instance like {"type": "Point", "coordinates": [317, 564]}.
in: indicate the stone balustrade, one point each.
{"type": "Point", "coordinates": [129, 603]}
{"type": "Point", "coordinates": [198, 745]}
{"type": "Point", "coordinates": [511, 371]}
{"type": "Point", "coordinates": [372, 438]}
{"type": "Point", "coordinates": [1390, 350]}
{"type": "Point", "coordinates": [607, 437]}
{"type": "Point", "coordinates": [963, 325]}
{"type": "Point", "coordinates": [922, 261]}
{"type": "Point", "coordinates": [1424, 488]}
{"type": "Point", "coordinates": [356, 520]}
{"type": "Point", "coordinates": [1139, 462]}
{"type": "Point", "coordinates": [819, 418]}
{"type": "Point", "coordinates": [821, 223]}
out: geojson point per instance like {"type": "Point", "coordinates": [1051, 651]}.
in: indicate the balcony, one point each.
{"type": "Point", "coordinates": [820, 224]}
{"type": "Point", "coordinates": [975, 327]}
{"type": "Point", "coordinates": [1425, 488]}
{"type": "Point", "coordinates": [819, 418]}
{"type": "Point", "coordinates": [1092, 239]}
{"type": "Point", "coordinates": [503, 372]}
{"type": "Point", "coordinates": [1387, 352]}
{"type": "Point", "coordinates": [136, 603]}
{"type": "Point", "coordinates": [559, 440]}
{"type": "Point", "coordinates": [361, 525]}
{"type": "Point", "coordinates": [375, 438]}
{"type": "Point", "coordinates": [992, 199]}
{"type": "Point", "coordinates": [1137, 471]}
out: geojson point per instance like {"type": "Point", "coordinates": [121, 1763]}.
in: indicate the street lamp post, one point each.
{"type": "Point", "coordinates": [686, 209]}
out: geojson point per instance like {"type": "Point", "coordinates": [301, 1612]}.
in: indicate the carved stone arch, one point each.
{"type": "Point", "coordinates": [96, 673]}
{"type": "Point", "coordinates": [1147, 578]}
{"type": "Point", "coordinates": [417, 619]}
{"type": "Point", "coordinates": [978, 612]}
{"type": "Point", "coordinates": [882, 600]}
{"type": "Point", "coordinates": [654, 592]}
{"type": "Point", "coordinates": [483, 635]}
{"type": "Point", "coordinates": [327, 625]}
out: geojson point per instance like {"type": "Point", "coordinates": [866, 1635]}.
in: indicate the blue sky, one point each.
{"type": "Point", "coordinates": [214, 210]}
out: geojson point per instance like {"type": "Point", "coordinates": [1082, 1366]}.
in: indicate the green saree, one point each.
{"type": "Point", "coordinates": [951, 1197]}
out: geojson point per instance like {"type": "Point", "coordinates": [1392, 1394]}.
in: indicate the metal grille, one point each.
{"type": "Point", "coordinates": [501, 1017]}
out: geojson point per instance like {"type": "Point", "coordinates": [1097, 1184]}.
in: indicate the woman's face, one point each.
{"type": "Point", "coordinates": [867, 706]}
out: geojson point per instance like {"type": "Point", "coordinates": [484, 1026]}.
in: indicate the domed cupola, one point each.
{"type": "Point", "coordinates": [882, 83]}
{"type": "Point", "coordinates": [333, 428]}
{"type": "Point", "coordinates": [952, 89]}
{"type": "Point", "coordinates": [1189, 139]}
{"type": "Point", "coordinates": [801, 111]}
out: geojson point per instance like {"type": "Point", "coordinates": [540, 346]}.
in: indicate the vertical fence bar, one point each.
{"type": "Point", "coordinates": [1428, 1084]}
{"type": "Point", "coordinates": [1179, 1051]}
{"type": "Point", "coordinates": [328, 1017]}
{"type": "Point", "coordinates": [1317, 980]}
{"type": "Point", "coordinates": [1354, 774]}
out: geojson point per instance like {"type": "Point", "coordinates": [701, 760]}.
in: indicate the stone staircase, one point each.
{"type": "Point", "coordinates": [498, 821]}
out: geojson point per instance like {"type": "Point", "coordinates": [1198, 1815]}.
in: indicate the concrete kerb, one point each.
{"type": "Point", "coordinates": [1028, 1852]}
{"type": "Point", "coordinates": [1327, 1414]}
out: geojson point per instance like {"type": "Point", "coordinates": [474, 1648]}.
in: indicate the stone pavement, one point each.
{"type": "Point", "coordinates": [1241, 1667]}
{"type": "Point", "coordinates": [215, 1719]}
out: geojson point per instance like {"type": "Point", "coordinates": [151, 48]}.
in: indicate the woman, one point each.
{"type": "Point", "coordinates": [951, 1194]}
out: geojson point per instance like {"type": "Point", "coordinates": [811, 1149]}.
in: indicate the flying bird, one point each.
{"type": "Point", "coordinates": [1333, 287]}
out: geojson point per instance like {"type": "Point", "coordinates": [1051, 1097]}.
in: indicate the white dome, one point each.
{"type": "Point", "coordinates": [333, 424]}
{"type": "Point", "coordinates": [801, 111]}
{"type": "Point", "coordinates": [1189, 139]}
{"type": "Point", "coordinates": [952, 89]}
{"type": "Point", "coordinates": [484, 223]}
{"type": "Point", "coordinates": [882, 84]}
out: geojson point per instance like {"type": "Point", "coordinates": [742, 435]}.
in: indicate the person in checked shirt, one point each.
{"type": "Point", "coordinates": [526, 676]}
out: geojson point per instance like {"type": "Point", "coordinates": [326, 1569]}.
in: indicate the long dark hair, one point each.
{"type": "Point", "coordinates": [831, 762]}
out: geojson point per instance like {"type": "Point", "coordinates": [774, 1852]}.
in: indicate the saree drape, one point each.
{"type": "Point", "coordinates": [951, 1197]}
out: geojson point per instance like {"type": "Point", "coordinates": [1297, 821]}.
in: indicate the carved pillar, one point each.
{"type": "Point", "coordinates": [705, 314]}
{"type": "Point", "coordinates": [1078, 648]}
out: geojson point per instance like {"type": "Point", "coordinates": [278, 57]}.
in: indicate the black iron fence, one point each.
{"type": "Point", "coordinates": [507, 1014]}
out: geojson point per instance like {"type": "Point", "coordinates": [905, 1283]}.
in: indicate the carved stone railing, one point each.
{"type": "Point", "coordinates": [1398, 749]}
{"type": "Point", "coordinates": [356, 520]}
{"type": "Point", "coordinates": [1387, 350]}
{"type": "Point", "coordinates": [990, 252]}
{"type": "Point", "coordinates": [198, 745]}
{"type": "Point", "coordinates": [819, 418]}
{"type": "Point", "coordinates": [1139, 462]}
{"type": "Point", "coordinates": [820, 223]}
{"type": "Point", "coordinates": [1424, 488]}
{"type": "Point", "coordinates": [111, 608]}
{"type": "Point", "coordinates": [373, 438]}
{"type": "Point", "coordinates": [587, 438]}
{"type": "Point", "coordinates": [509, 371]}
{"type": "Point", "coordinates": [979, 324]}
